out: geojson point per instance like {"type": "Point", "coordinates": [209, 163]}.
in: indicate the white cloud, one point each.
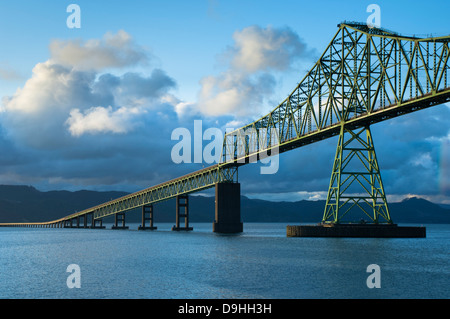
{"type": "Point", "coordinates": [113, 50]}
{"type": "Point", "coordinates": [74, 121]}
{"type": "Point", "coordinates": [234, 124]}
{"type": "Point", "coordinates": [423, 160]}
{"type": "Point", "coordinates": [51, 87]}
{"type": "Point", "coordinates": [257, 49]}
{"type": "Point", "coordinates": [220, 95]}
{"type": "Point", "coordinates": [66, 96]}
{"type": "Point", "coordinates": [235, 93]}
{"type": "Point", "coordinates": [184, 107]}
{"type": "Point", "coordinates": [243, 89]}
{"type": "Point", "coordinates": [101, 120]}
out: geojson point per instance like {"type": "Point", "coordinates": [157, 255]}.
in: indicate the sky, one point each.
{"type": "Point", "coordinates": [95, 107]}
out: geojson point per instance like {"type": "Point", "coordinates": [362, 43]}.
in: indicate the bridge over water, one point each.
{"type": "Point", "coordinates": [364, 76]}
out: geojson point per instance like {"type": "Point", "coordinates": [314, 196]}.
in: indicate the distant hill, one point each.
{"type": "Point", "coordinates": [27, 204]}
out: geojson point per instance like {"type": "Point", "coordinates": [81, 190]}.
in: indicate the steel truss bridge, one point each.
{"type": "Point", "coordinates": [364, 76]}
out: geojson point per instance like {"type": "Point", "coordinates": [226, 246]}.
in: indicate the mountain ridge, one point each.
{"type": "Point", "coordinates": [27, 204]}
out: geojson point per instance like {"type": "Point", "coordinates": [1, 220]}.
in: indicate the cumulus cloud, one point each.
{"type": "Point", "coordinates": [67, 95]}
{"type": "Point", "coordinates": [112, 51]}
{"type": "Point", "coordinates": [84, 112]}
{"type": "Point", "coordinates": [51, 86]}
{"type": "Point", "coordinates": [234, 93]}
{"type": "Point", "coordinates": [257, 49]}
{"type": "Point", "coordinates": [248, 80]}
{"type": "Point", "coordinates": [100, 120]}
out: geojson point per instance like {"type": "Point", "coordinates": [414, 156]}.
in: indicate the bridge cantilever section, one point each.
{"type": "Point", "coordinates": [364, 76]}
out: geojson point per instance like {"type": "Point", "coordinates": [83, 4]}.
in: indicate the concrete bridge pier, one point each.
{"type": "Point", "coordinates": [94, 222]}
{"type": "Point", "coordinates": [68, 223]}
{"type": "Point", "coordinates": [228, 208]}
{"type": "Point", "coordinates": [147, 215]}
{"type": "Point", "coordinates": [119, 218]}
{"type": "Point", "coordinates": [100, 223]}
{"type": "Point", "coordinates": [182, 202]}
{"type": "Point", "coordinates": [84, 221]}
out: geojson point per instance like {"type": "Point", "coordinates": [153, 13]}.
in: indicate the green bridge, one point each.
{"type": "Point", "coordinates": [364, 76]}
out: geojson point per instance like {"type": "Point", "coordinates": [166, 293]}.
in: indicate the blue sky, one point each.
{"type": "Point", "coordinates": [104, 121]}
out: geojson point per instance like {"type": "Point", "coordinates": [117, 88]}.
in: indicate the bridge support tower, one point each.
{"type": "Point", "coordinates": [182, 202]}
{"type": "Point", "coordinates": [228, 208]}
{"type": "Point", "coordinates": [119, 221]}
{"type": "Point", "coordinates": [147, 215]}
{"type": "Point", "coordinates": [96, 223]}
{"type": "Point", "coordinates": [356, 185]}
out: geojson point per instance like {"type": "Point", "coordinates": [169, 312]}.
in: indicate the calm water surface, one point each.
{"type": "Point", "coordinates": [259, 263]}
